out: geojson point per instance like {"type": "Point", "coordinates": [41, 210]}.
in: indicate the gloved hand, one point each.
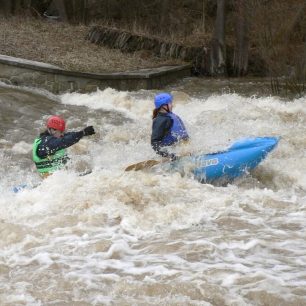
{"type": "Point", "coordinates": [173, 157]}
{"type": "Point", "coordinates": [89, 130]}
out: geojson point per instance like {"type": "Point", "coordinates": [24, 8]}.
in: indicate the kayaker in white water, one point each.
{"type": "Point", "coordinates": [49, 152]}
{"type": "Point", "coordinates": [168, 128]}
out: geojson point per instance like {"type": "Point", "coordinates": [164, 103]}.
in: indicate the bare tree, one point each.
{"type": "Point", "coordinates": [164, 20]}
{"type": "Point", "coordinates": [218, 50]}
{"type": "Point", "coordinates": [241, 51]}
{"type": "Point", "coordinates": [9, 7]}
{"type": "Point", "coordinates": [5, 7]}
{"type": "Point", "coordinates": [279, 33]}
{"type": "Point", "coordinates": [59, 5]}
{"type": "Point", "coordinates": [203, 15]}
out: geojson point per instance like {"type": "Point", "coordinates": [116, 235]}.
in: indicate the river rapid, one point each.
{"type": "Point", "coordinates": [151, 237]}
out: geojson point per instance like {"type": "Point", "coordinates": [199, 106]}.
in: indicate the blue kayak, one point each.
{"type": "Point", "coordinates": [241, 157]}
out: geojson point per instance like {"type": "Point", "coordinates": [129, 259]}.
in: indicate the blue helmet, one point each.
{"type": "Point", "coordinates": [162, 99]}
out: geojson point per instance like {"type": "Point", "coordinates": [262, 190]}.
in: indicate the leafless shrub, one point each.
{"type": "Point", "coordinates": [279, 32]}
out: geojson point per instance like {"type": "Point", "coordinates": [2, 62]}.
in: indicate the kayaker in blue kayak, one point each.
{"type": "Point", "coordinates": [49, 152]}
{"type": "Point", "coordinates": [168, 128]}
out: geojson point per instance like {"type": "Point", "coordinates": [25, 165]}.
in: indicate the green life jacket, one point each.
{"type": "Point", "coordinates": [50, 163]}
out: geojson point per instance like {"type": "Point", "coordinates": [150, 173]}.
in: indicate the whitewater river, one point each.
{"type": "Point", "coordinates": [152, 238]}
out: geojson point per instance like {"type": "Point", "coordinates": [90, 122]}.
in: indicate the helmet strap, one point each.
{"type": "Point", "coordinates": [166, 108]}
{"type": "Point", "coordinates": [51, 131]}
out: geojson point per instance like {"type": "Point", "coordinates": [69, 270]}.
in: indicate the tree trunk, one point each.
{"type": "Point", "coordinates": [300, 13]}
{"type": "Point", "coordinates": [61, 8]}
{"type": "Point", "coordinates": [165, 13]}
{"type": "Point", "coordinates": [85, 12]}
{"type": "Point", "coordinates": [218, 52]}
{"type": "Point", "coordinates": [203, 16]}
{"type": "Point", "coordinates": [6, 7]}
{"type": "Point", "coordinates": [241, 52]}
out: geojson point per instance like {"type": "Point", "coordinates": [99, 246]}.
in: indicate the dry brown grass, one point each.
{"type": "Point", "coordinates": [64, 45]}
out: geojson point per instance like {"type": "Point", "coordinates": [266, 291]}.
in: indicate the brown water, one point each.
{"type": "Point", "coordinates": [153, 238]}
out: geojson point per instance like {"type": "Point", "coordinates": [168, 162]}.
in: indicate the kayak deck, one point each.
{"type": "Point", "coordinates": [243, 156]}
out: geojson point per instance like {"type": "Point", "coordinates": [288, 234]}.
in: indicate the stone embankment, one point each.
{"type": "Point", "coordinates": [128, 42]}
{"type": "Point", "coordinates": [22, 72]}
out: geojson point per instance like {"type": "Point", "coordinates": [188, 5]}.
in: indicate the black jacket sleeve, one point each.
{"type": "Point", "coordinates": [160, 127]}
{"type": "Point", "coordinates": [50, 144]}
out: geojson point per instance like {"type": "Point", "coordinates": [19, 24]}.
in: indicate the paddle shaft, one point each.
{"type": "Point", "coordinates": [143, 165]}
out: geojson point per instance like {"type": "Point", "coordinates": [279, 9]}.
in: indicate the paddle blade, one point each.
{"type": "Point", "coordinates": [142, 165]}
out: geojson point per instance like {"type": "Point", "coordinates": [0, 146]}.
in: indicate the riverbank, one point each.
{"type": "Point", "coordinates": [64, 45]}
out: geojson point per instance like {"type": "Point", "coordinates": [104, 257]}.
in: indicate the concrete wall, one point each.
{"type": "Point", "coordinates": [129, 42]}
{"type": "Point", "coordinates": [23, 72]}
